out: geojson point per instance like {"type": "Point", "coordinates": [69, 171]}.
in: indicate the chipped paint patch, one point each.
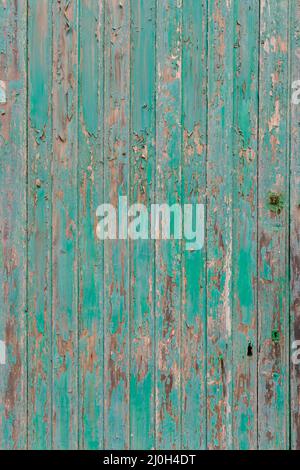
{"type": "Point", "coordinates": [275, 119]}
{"type": "Point", "coordinates": [147, 345]}
{"type": "Point", "coordinates": [2, 92]}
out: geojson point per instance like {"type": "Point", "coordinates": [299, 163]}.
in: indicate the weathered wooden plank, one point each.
{"type": "Point", "coordinates": [219, 225]}
{"type": "Point", "coordinates": [64, 227]}
{"type": "Point", "coordinates": [13, 163]}
{"type": "Point", "coordinates": [90, 151]}
{"type": "Point", "coordinates": [173, 85]}
{"type": "Point", "coordinates": [245, 134]}
{"type": "Point", "coordinates": [295, 223]}
{"type": "Point", "coordinates": [194, 118]}
{"type": "Point", "coordinates": [142, 177]}
{"type": "Point", "coordinates": [39, 224]}
{"type": "Point", "coordinates": [116, 261]}
{"type": "Point", "coordinates": [168, 252]}
{"type": "Point", "coordinates": [273, 373]}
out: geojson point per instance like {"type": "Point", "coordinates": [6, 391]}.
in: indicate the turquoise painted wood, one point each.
{"type": "Point", "coordinates": [194, 157]}
{"type": "Point", "coordinates": [142, 254]}
{"type": "Point", "coordinates": [116, 253]}
{"type": "Point", "coordinates": [294, 51]}
{"type": "Point", "coordinates": [168, 256]}
{"type": "Point", "coordinates": [90, 195]}
{"type": "Point", "coordinates": [273, 204]}
{"type": "Point", "coordinates": [65, 225]}
{"type": "Point", "coordinates": [143, 344]}
{"type": "Point", "coordinates": [39, 193]}
{"type": "Point", "coordinates": [219, 225]}
{"type": "Point", "coordinates": [13, 224]}
{"type": "Point", "coordinates": [244, 262]}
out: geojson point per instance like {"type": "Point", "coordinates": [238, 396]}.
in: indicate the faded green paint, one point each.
{"type": "Point", "coordinates": [142, 353]}
{"type": "Point", "coordinates": [194, 152]}
{"type": "Point", "coordinates": [65, 225]}
{"type": "Point", "coordinates": [13, 225]}
{"type": "Point", "coordinates": [168, 283]}
{"type": "Point", "coordinates": [294, 51]}
{"type": "Point", "coordinates": [116, 256]}
{"type": "Point", "coordinates": [244, 261]}
{"type": "Point", "coordinates": [39, 225]}
{"type": "Point", "coordinates": [219, 191]}
{"type": "Point", "coordinates": [90, 195]}
{"type": "Point", "coordinates": [144, 344]}
{"type": "Point", "coordinates": [273, 304]}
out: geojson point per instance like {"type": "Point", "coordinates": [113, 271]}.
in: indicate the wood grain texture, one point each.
{"type": "Point", "coordinates": [39, 224]}
{"type": "Point", "coordinates": [273, 209]}
{"type": "Point", "coordinates": [194, 149]}
{"type": "Point", "coordinates": [295, 222]}
{"type": "Point", "coordinates": [116, 260]}
{"type": "Point", "coordinates": [90, 180]}
{"type": "Point", "coordinates": [142, 191]}
{"type": "Point", "coordinates": [13, 224]}
{"type": "Point", "coordinates": [219, 225]}
{"type": "Point", "coordinates": [168, 254]}
{"type": "Point", "coordinates": [146, 344]}
{"type": "Point", "coordinates": [64, 225]}
{"type": "Point", "coordinates": [245, 132]}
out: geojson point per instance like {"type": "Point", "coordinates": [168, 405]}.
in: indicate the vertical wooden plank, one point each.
{"type": "Point", "coordinates": [273, 376]}
{"type": "Point", "coordinates": [64, 227]}
{"type": "Point", "coordinates": [116, 175]}
{"type": "Point", "coordinates": [90, 151]}
{"type": "Point", "coordinates": [219, 225]}
{"type": "Point", "coordinates": [168, 252]}
{"type": "Point", "coordinates": [245, 135]}
{"type": "Point", "coordinates": [295, 223]}
{"type": "Point", "coordinates": [194, 78]}
{"type": "Point", "coordinates": [13, 164]}
{"type": "Point", "coordinates": [142, 357]}
{"type": "Point", "coordinates": [39, 223]}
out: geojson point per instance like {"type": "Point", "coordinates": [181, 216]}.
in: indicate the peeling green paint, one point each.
{"type": "Point", "coordinates": [143, 344]}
